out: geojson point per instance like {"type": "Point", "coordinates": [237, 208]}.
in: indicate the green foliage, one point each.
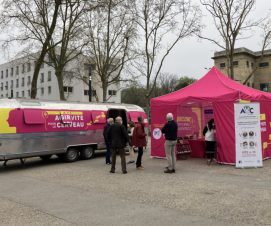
{"type": "Point", "coordinates": [184, 81]}
{"type": "Point", "coordinates": [136, 94]}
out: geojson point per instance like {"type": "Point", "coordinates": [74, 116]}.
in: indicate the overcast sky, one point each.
{"type": "Point", "coordinates": [191, 56]}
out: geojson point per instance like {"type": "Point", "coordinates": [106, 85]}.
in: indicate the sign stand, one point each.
{"type": "Point", "coordinates": [248, 145]}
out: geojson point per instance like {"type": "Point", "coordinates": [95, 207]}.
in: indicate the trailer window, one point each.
{"type": "Point", "coordinates": [33, 116]}
{"type": "Point", "coordinates": [98, 117]}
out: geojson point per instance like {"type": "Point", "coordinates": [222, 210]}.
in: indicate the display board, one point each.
{"type": "Point", "coordinates": [248, 135]}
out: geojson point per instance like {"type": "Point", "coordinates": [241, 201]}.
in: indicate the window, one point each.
{"type": "Point", "coordinates": [86, 92]}
{"type": "Point", "coordinates": [264, 64]}
{"type": "Point", "coordinates": [28, 80]}
{"type": "Point", "coordinates": [49, 90]}
{"type": "Point", "coordinates": [17, 70]}
{"type": "Point", "coordinates": [42, 77]}
{"type": "Point", "coordinates": [112, 92]}
{"type": "Point", "coordinates": [264, 87]}
{"type": "Point", "coordinates": [49, 76]}
{"type": "Point", "coordinates": [222, 65]}
{"type": "Point", "coordinates": [11, 85]}
{"type": "Point", "coordinates": [23, 68]}
{"type": "Point", "coordinates": [22, 93]}
{"type": "Point", "coordinates": [17, 94]}
{"type": "Point", "coordinates": [22, 81]}
{"type": "Point", "coordinates": [6, 86]}
{"type": "Point", "coordinates": [2, 85]}
{"type": "Point", "coordinates": [42, 91]}
{"type": "Point", "coordinates": [17, 83]}
{"type": "Point", "coordinates": [252, 85]}
{"type": "Point", "coordinates": [28, 67]}
{"type": "Point", "coordinates": [68, 89]}
{"type": "Point", "coordinates": [235, 63]}
{"type": "Point", "coordinates": [6, 73]}
{"type": "Point", "coordinates": [252, 64]}
{"type": "Point", "coordinates": [11, 71]}
{"type": "Point", "coordinates": [33, 116]}
{"type": "Point", "coordinates": [248, 84]}
{"type": "Point", "coordinates": [28, 93]}
{"type": "Point", "coordinates": [42, 65]}
{"type": "Point", "coordinates": [247, 64]}
{"type": "Point", "coordinates": [2, 74]}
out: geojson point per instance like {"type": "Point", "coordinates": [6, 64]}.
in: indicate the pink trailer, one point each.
{"type": "Point", "coordinates": [30, 128]}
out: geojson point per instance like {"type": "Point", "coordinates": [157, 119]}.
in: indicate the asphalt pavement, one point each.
{"type": "Point", "coordinates": [85, 193]}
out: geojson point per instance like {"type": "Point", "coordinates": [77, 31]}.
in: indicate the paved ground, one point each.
{"type": "Point", "coordinates": [85, 193]}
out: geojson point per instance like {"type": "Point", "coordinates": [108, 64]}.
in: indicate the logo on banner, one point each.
{"type": "Point", "coordinates": [157, 133]}
{"type": "Point", "coordinates": [247, 110]}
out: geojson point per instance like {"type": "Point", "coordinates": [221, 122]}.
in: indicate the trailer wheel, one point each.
{"type": "Point", "coordinates": [87, 153]}
{"type": "Point", "coordinates": [71, 155]}
{"type": "Point", "coordinates": [45, 158]}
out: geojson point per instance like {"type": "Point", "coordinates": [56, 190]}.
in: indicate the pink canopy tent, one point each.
{"type": "Point", "coordinates": [212, 96]}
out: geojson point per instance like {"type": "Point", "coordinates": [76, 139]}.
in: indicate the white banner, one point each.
{"type": "Point", "coordinates": [248, 135]}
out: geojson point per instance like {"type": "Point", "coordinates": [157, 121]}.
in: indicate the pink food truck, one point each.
{"type": "Point", "coordinates": [70, 130]}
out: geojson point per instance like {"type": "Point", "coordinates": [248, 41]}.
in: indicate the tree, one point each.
{"type": "Point", "coordinates": [266, 33]}
{"type": "Point", "coordinates": [231, 21]}
{"type": "Point", "coordinates": [128, 95]}
{"type": "Point", "coordinates": [35, 21]}
{"type": "Point", "coordinates": [184, 81]}
{"type": "Point", "coordinates": [158, 21]}
{"type": "Point", "coordinates": [66, 45]}
{"type": "Point", "coordinates": [110, 30]}
{"type": "Point", "coordinates": [167, 83]}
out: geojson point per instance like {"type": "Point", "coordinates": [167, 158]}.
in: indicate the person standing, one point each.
{"type": "Point", "coordinates": [118, 138]}
{"type": "Point", "coordinates": [170, 130]}
{"type": "Point", "coordinates": [139, 141]}
{"type": "Point", "coordinates": [110, 122]}
{"type": "Point", "coordinates": [210, 143]}
{"type": "Point", "coordinates": [131, 127]}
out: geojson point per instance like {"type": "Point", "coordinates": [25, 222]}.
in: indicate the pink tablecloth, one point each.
{"type": "Point", "coordinates": [197, 147]}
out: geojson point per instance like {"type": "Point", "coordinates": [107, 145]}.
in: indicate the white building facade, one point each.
{"type": "Point", "coordinates": [16, 77]}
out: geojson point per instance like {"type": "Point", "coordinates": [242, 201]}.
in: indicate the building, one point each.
{"type": "Point", "coordinates": [16, 77]}
{"type": "Point", "coordinates": [246, 62]}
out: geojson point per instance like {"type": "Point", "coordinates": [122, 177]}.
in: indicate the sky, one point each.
{"type": "Point", "coordinates": [192, 57]}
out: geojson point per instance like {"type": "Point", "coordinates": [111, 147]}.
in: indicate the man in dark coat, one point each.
{"type": "Point", "coordinates": [139, 141]}
{"type": "Point", "coordinates": [170, 130]}
{"type": "Point", "coordinates": [110, 121]}
{"type": "Point", "coordinates": [118, 139]}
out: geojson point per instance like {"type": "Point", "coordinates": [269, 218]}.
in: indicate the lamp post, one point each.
{"type": "Point", "coordinates": [89, 84]}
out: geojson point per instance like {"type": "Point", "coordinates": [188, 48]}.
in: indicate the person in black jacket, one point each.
{"type": "Point", "coordinates": [118, 139]}
{"type": "Point", "coordinates": [170, 130]}
{"type": "Point", "coordinates": [110, 121]}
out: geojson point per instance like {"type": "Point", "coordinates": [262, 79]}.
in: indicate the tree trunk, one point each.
{"type": "Point", "coordinates": [104, 92]}
{"type": "Point", "coordinates": [44, 51]}
{"type": "Point", "coordinates": [59, 76]}
{"type": "Point", "coordinates": [231, 67]}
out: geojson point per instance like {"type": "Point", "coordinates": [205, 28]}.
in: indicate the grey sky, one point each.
{"type": "Point", "coordinates": [191, 56]}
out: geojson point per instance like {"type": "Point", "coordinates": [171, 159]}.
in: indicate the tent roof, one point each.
{"type": "Point", "coordinates": [212, 87]}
